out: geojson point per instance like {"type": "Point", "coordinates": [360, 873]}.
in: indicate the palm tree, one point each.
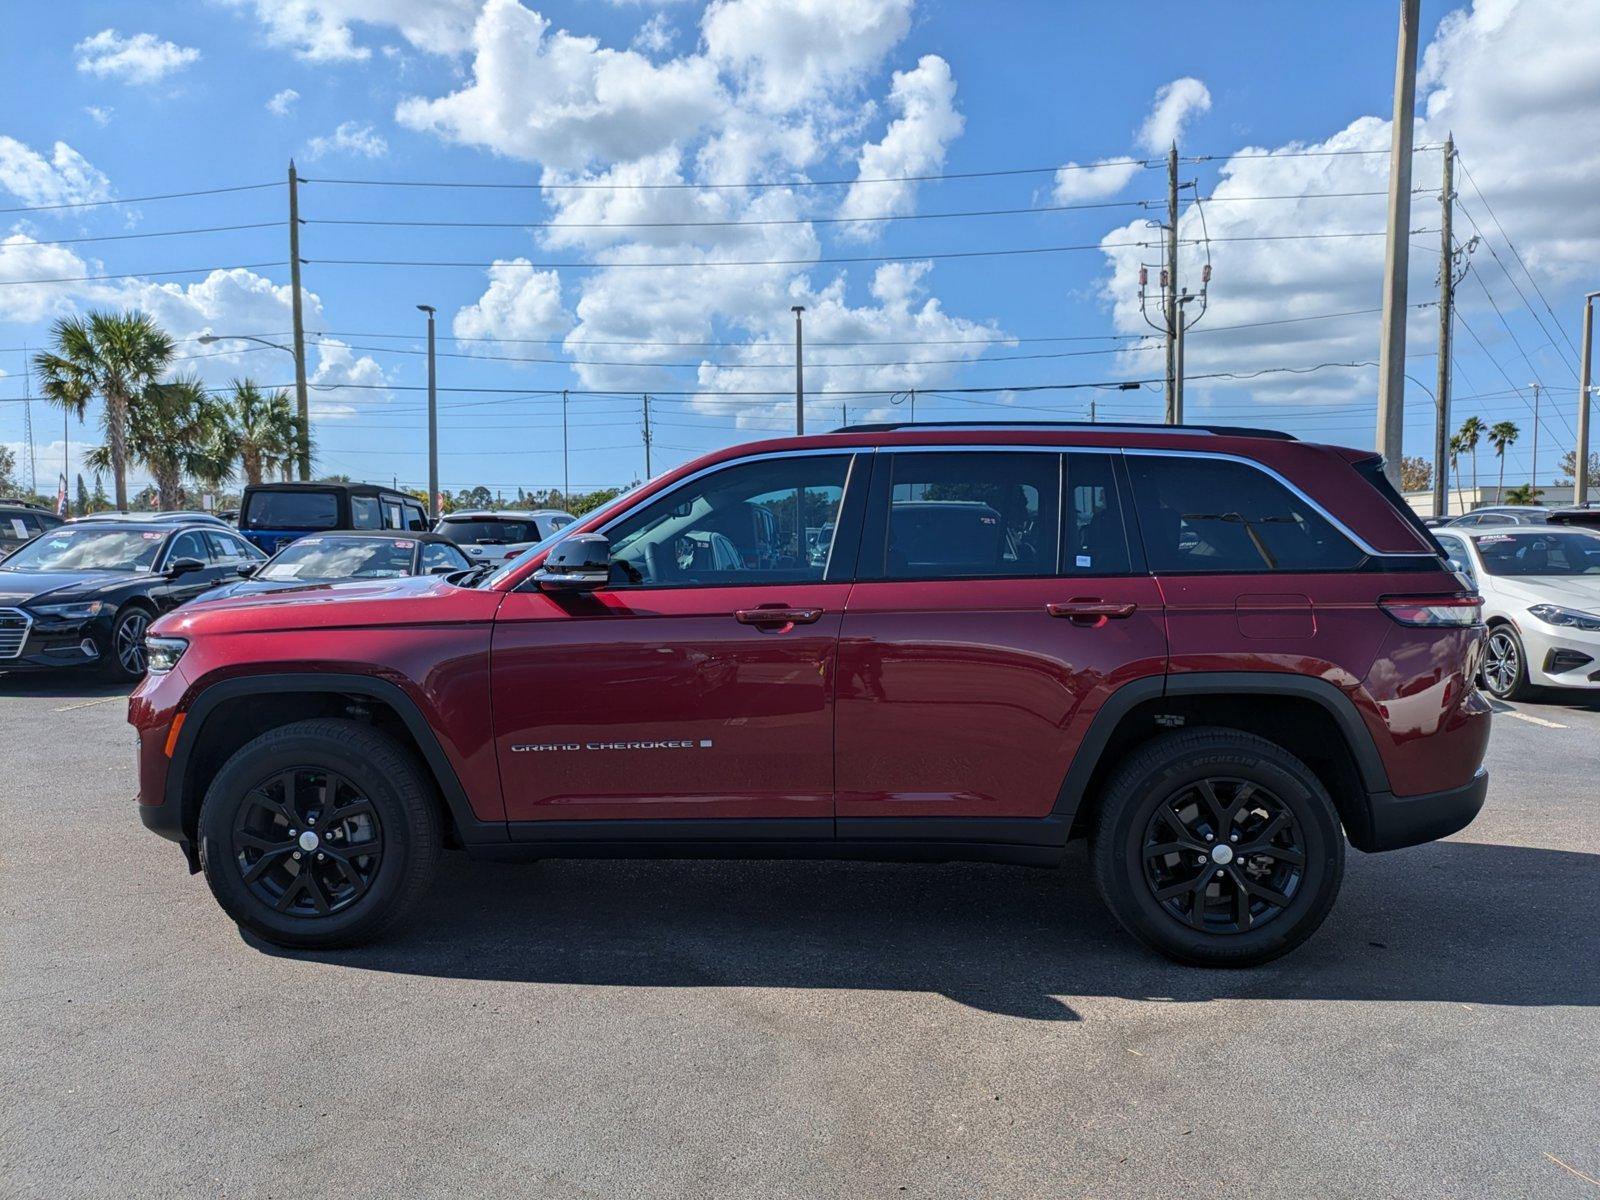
{"type": "Point", "coordinates": [111, 355]}
{"type": "Point", "coordinates": [1456, 448]}
{"type": "Point", "coordinates": [1472, 431]}
{"type": "Point", "coordinates": [176, 429]}
{"type": "Point", "coordinates": [266, 428]}
{"type": "Point", "coordinates": [1502, 435]}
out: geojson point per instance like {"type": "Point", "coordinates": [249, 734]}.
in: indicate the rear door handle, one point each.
{"type": "Point", "coordinates": [1092, 612]}
{"type": "Point", "coordinates": [777, 616]}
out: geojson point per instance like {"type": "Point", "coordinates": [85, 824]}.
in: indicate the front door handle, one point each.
{"type": "Point", "coordinates": [1092, 613]}
{"type": "Point", "coordinates": [785, 617]}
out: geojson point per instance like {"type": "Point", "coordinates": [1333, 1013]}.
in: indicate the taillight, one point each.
{"type": "Point", "coordinates": [1433, 610]}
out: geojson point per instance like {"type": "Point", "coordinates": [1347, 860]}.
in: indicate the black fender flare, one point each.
{"type": "Point", "coordinates": [472, 830]}
{"type": "Point", "coordinates": [1333, 701]}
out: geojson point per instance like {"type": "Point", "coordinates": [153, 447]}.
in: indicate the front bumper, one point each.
{"type": "Point", "coordinates": [1559, 656]}
{"type": "Point", "coordinates": [1394, 822]}
{"type": "Point", "coordinates": [52, 644]}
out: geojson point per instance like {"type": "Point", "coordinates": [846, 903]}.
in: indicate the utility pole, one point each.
{"type": "Point", "coordinates": [566, 470]}
{"type": "Point", "coordinates": [1580, 467]}
{"type": "Point", "coordinates": [1447, 297]}
{"type": "Point", "coordinates": [647, 471]}
{"type": "Point", "coordinates": [799, 374]}
{"type": "Point", "coordinates": [1091, 412]}
{"type": "Point", "coordinates": [27, 421]}
{"type": "Point", "coordinates": [302, 403]}
{"type": "Point", "coordinates": [1534, 475]}
{"type": "Point", "coordinates": [1170, 291]}
{"type": "Point", "coordinates": [1397, 250]}
{"type": "Point", "coordinates": [433, 422]}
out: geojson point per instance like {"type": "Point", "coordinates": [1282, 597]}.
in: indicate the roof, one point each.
{"type": "Point", "coordinates": [509, 514]}
{"type": "Point", "coordinates": [1123, 427]}
{"type": "Point", "coordinates": [316, 485]}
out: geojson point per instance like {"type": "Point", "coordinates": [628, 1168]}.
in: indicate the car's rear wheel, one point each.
{"type": "Point", "coordinates": [124, 659]}
{"type": "Point", "coordinates": [319, 834]}
{"type": "Point", "coordinates": [1217, 848]}
{"type": "Point", "coordinates": [1505, 665]}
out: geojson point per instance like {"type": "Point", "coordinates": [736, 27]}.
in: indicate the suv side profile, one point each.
{"type": "Point", "coordinates": [1214, 654]}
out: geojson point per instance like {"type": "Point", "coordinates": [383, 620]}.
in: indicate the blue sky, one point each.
{"type": "Point", "coordinates": [131, 100]}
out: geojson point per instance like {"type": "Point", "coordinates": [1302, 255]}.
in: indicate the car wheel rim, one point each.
{"type": "Point", "coordinates": [130, 642]}
{"type": "Point", "coordinates": [307, 842]}
{"type": "Point", "coordinates": [1502, 663]}
{"type": "Point", "coordinates": [1223, 855]}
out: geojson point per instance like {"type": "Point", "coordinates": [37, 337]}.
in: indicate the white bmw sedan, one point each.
{"type": "Point", "coordinates": [1541, 599]}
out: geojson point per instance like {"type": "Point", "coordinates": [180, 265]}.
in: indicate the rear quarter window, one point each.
{"type": "Point", "coordinates": [291, 510]}
{"type": "Point", "coordinates": [1219, 516]}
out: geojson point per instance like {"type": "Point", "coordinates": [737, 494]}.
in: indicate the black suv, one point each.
{"type": "Point", "coordinates": [21, 521]}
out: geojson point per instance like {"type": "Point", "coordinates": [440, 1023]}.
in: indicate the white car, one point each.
{"type": "Point", "coordinates": [1541, 600]}
{"type": "Point", "coordinates": [494, 536]}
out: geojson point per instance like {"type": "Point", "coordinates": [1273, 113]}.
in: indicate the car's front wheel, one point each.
{"type": "Point", "coordinates": [319, 834]}
{"type": "Point", "coordinates": [1217, 848]}
{"type": "Point", "coordinates": [124, 659]}
{"type": "Point", "coordinates": [1505, 665]}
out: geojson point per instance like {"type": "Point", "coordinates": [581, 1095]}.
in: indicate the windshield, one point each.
{"type": "Point", "coordinates": [488, 531]}
{"type": "Point", "coordinates": [291, 510]}
{"type": "Point", "coordinates": [342, 558]}
{"type": "Point", "coordinates": [88, 549]}
{"type": "Point", "coordinates": [1546, 552]}
{"type": "Point", "coordinates": [609, 507]}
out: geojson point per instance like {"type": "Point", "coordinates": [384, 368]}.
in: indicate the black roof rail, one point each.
{"type": "Point", "coordinates": [1101, 427]}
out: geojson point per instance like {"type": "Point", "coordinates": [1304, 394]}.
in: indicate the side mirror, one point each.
{"type": "Point", "coordinates": [245, 570]}
{"type": "Point", "coordinates": [184, 566]}
{"type": "Point", "coordinates": [581, 562]}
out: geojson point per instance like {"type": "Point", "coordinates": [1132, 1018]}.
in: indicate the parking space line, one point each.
{"type": "Point", "coordinates": [89, 703]}
{"type": "Point", "coordinates": [1533, 720]}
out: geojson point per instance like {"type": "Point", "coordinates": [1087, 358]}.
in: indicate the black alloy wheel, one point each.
{"type": "Point", "coordinates": [1216, 847]}
{"type": "Point", "coordinates": [1223, 855]}
{"type": "Point", "coordinates": [127, 659]}
{"type": "Point", "coordinates": [307, 842]}
{"type": "Point", "coordinates": [321, 833]}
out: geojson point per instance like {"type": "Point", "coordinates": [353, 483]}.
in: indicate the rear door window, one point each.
{"type": "Point", "coordinates": [1094, 538]}
{"type": "Point", "coordinates": [291, 510]}
{"type": "Point", "coordinates": [965, 515]}
{"type": "Point", "coordinates": [1218, 516]}
{"type": "Point", "coordinates": [364, 513]}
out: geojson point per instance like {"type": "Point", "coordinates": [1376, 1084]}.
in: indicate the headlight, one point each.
{"type": "Point", "coordinates": [163, 653]}
{"type": "Point", "coordinates": [1567, 618]}
{"type": "Point", "coordinates": [72, 612]}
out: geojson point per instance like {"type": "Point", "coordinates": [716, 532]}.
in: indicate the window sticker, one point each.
{"type": "Point", "coordinates": [20, 529]}
{"type": "Point", "coordinates": [151, 536]}
{"type": "Point", "coordinates": [1494, 539]}
{"type": "Point", "coordinates": [404, 545]}
{"type": "Point", "coordinates": [1085, 560]}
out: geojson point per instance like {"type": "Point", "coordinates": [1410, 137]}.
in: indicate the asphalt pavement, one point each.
{"type": "Point", "coordinates": [619, 1029]}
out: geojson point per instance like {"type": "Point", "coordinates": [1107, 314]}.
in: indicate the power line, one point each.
{"type": "Point", "coordinates": [1512, 246]}
{"type": "Point", "coordinates": [138, 274]}
{"type": "Point", "coordinates": [1007, 252]}
{"type": "Point", "coordinates": [244, 187]}
{"type": "Point", "coordinates": [1521, 295]}
{"type": "Point", "coordinates": [124, 237]}
{"type": "Point", "coordinates": [1538, 417]}
{"type": "Point", "coordinates": [1204, 158]}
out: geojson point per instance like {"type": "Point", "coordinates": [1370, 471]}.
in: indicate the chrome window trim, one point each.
{"type": "Point", "coordinates": [1355, 538]}
{"type": "Point", "coordinates": [852, 453]}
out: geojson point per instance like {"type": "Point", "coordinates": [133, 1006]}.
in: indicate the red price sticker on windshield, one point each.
{"type": "Point", "coordinates": [150, 536]}
{"type": "Point", "coordinates": [404, 545]}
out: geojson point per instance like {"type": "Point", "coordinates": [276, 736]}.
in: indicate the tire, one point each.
{"type": "Point", "coordinates": [1505, 665]}
{"type": "Point", "coordinates": [1146, 856]}
{"type": "Point", "coordinates": [124, 659]}
{"type": "Point", "coordinates": [380, 798]}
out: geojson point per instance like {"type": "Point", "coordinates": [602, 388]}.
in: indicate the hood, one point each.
{"type": "Point", "coordinates": [18, 588]}
{"type": "Point", "coordinates": [1569, 591]}
{"type": "Point", "coordinates": [257, 587]}
{"type": "Point", "coordinates": [409, 600]}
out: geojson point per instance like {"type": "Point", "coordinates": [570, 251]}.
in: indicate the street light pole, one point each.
{"type": "Point", "coordinates": [1397, 249]}
{"type": "Point", "coordinates": [1580, 467]}
{"type": "Point", "coordinates": [799, 375]}
{"type": "Point", "coordinates": [433, 421]}
{"type": "Point", "coordinates": [302, 403]}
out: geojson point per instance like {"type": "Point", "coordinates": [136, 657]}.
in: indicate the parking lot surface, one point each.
{"type": "Point", "coordinates": [774, 1029]}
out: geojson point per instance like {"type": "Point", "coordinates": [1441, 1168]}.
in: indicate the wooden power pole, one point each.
{"type": "Point", "coordinates": [1447, 294]}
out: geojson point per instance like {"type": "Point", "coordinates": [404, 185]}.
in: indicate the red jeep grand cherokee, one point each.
{"type": "Point", "coordinates": [1215, 653]}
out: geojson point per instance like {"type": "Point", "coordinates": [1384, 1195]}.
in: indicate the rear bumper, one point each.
{"type": "Point", "coordinates": [1394, 822]}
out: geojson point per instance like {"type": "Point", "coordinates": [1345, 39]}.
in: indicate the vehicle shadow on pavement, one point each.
{"type": "Point", "coordinates": [1455, 921]}
{"type": "Point", "coordinates": [65, 685]}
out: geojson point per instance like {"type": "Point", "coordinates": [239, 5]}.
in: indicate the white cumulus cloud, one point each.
{"type": "Point", "coordinates": [325, 30]}
{"type": "Point", "coordinates": [519, 303]}
{"type": "Point", "coordinates": [66, 177]}
{"type": "Point", "coordinates": [282, 103]}
{"type": "Point", "coordinates": [142, 58]}
{"type": "Point", "coordinates": [1176, 103]}
{"type": "Point", "coordinates": [914, 144]}
{"type": "Point", "coordinates": [351, 138]}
